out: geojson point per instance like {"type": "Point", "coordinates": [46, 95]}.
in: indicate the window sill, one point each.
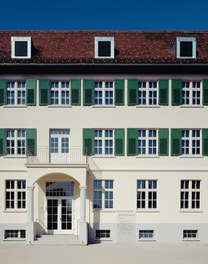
{"type": "Point", "coordinates": [104, 106]}
{"type": "Point", "coordinates": [103, 211]}
{"type": "Point", "coordinates": [191, 240]}
{"type": "Point", "coordinates": [59, 106]}
{"type": "Point", "coordinates": [104, 156]}
{"type": "Point", "coordinates": [191, 106]}
{"type": "Point", "coordinates": [191, 211]}
{"type": "Point", "coordinates": [147, 240]}
{"type": "Point", "coordinates": [148, 156]}
{"type": "Point", "coordinates": [15, 157]}
{"type": "Point", "coordinates": [191, 157]}
{"type": "Point", "coordinates": [146, 211]}
{"type": "Point", "coordinates": [103, 239]}
{"type": "Point", "coordinates": [148, 106]}
{"type": "Point", "coordinates": [15, 106]}
{"type": "Point", "coordinates": [14, 239]}
{"type": "Point", "coordinates": [15, 211]}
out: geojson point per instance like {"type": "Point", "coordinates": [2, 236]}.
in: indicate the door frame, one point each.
{"type": "Point", "coordinates": [59, 230]}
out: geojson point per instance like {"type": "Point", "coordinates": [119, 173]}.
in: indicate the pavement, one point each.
{"type": "Point", "coordinates": [144, 253]}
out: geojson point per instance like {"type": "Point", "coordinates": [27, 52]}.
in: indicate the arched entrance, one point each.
{"type": "Point", "coordinates": [57, 203]}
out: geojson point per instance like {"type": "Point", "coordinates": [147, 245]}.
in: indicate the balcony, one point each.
{"type": "Point", "coordinates": [45, 156]}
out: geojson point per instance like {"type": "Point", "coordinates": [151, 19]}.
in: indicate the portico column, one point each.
{"type": "Point", "coordinates": [30, 215]}
{"type": "Point", "coordinates": [83, 203]}
{"type": "Point", "coordinates": [83, 236]}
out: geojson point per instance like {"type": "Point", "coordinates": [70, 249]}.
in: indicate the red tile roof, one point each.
{"type": "Point", "coordinates": [131, 47]}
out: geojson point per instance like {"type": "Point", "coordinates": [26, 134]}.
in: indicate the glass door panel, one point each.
{"type": "Point", "coordinates": [52, 214]}
{"type": "Point", "coordinates": [66, 214]}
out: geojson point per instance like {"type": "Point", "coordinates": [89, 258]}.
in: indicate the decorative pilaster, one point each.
{"type": "Point", "coordinates": [30, 230]}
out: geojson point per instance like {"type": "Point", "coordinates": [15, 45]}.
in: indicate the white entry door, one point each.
{"type": "Point", "coordinates": [59, 207]}
{"type": "Point", "coordinates": [59, 146]}
{"type": "Point", "coordinates": [59, 215]}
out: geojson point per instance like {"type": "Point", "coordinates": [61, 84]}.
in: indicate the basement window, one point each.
{"type": "Point", "coordinates": [104, 47]}
{"type": "Point", "coordinates": [21, 47]}
{"type": "Point", "coordinates": [186, 48]}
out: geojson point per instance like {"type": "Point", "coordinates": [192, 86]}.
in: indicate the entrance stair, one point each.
{"type": "Point", "coordinates": [57, 240]}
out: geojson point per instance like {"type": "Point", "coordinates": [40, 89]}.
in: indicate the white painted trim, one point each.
{"type": "Point", "coordinates": [28, 40]}
{"type": "Point", "coordinates": [98, 39]}
{"type": "Point", "coordinates": [186, 39]}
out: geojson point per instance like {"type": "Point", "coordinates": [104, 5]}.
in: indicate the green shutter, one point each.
{"type": "Point", "coordinates": [2, 92]}
{"type": "Point", "coordinates": [205, 92]}
{"type": "Point", "coordinates": [88, 141]}
{"type": "Point", "coordinates": [75, 92]}
{"type": "Point", "coordinates": [44, 92]}
{"type": "Point", "coordinates": [132, 92]}
{"type": "Point", "coordinates": [2, 142]}
{"type": "Point", "coordinates": [31, 92]}
{"type": "Point", "coordinates": [31, 138]}
{"type": "Point", "coordinates": [163, 92]}
{"type": "Point", "coordinates": [176, 92]}
{"type": "Point", "coordinates": [119, 92]}
{"type": "Point", "coordinates": [132, 142]}
{"type": "Point", "coordinates": [119, 141]}
{"type": "Point", "coordinates": [88, 87]}
{"type": "Point", "coordinates": [176, 135]}
{"type": "Point", "coordinates": [205, 142]}
{"type": "Point", "coordinates": [163, 142]}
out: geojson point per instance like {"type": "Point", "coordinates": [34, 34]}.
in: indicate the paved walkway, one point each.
{"type": "Point", "coordinates": [144, 253]}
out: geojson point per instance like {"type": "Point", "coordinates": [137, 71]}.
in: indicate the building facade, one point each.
{"type": "Point", "coordinates": [104, 135]}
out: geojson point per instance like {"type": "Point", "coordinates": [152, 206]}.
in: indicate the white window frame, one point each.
{"type": "Point", "coordinates": [147, 139]}
{"type": "Point", "coordinates": [147, 89]}
{"type": "Point", "coordinates": [103, 89]}
{"type": "Point", "coordinates": [191, 139]}
{"type": "Point", "coordinates": [60, 89]}
{"type": "Point", "coordinates": [191, 89]}
{"type": "Point", "coordinates": [192, 234]}
{"type": "Point", "coordinates": [148, 232]}
{"type": "Point", "coordinates": [15, 138]}
{"type": "Point", "coordinates": [104, 190]}
{"type": "Point", "coordinates": [99, 39]}
{"type": "Point", "coordinates": [12, 234]}
{"type": "Point", "coordinates": [15, 90]}
{"type": "Point", "coordinates": [16, 200]}
{"type": "Point", "coordinates": [29, 45]}
{"type": "Point", "coordinates": [190, 190]}
{"type": "Point", "coordinates": [103, 140]}
{"type": "Point", "coordinates": [178, 46]}
{"type": "Point", "coordinates": [105, 232]}
{"type": "Point", "coordinates": [146, 191]}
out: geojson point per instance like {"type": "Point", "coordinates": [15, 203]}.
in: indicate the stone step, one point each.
{"type": "Point", "coordinates": [57, 239]}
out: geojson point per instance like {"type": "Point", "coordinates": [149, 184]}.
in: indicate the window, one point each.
{"type": "Point", "coordinates": [59, 189]}
{"type": "Point", "coordinates": [16, 93]}
{"type": "Point", "coordinates": [146, 234]}
{"type": "Point", "coordinates": [190, 194]}
{"type": "Point", "coordinates": [191, 142]}
{"type": "Point", "coordinates": [104, 47]}
{"type": "Point", "coordinates": [16, 142]}
{"type": "Point", "coordinates": [21, 47]}
{"type": "Point", "coordinates": [14, 234]}
{"type": "Point", "coordinates": [103, 142]}
{"type": "Point", "coordinates": [191, 93]}
{"type": "Point", "coordinates": [148, 93]}
{"type": "Point", "coordinates": [103, 93]}
{"type": "Point", "coordinates": [60, 93]}
{"type": "Point", "coordinates": [147, 142]}
{"type": "Point", "coordinates": [186, 48]}
{"type": "Point", "coordinates": [15, 194]}
{"type": "Point", "coordinates": [102, 234]}
{"type": "Point", "coordinates": [190, 234]}
{"type": "Point", "coordinates": [146, 194]}
{"type": "Point", "coordinates": [102, 194]}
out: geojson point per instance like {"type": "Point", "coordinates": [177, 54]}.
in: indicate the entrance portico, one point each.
{"type": "Point", "coordinates": [51, 207]}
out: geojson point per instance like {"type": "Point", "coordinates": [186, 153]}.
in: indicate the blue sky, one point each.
{"type": "Point", "coordinates": [106, 14]}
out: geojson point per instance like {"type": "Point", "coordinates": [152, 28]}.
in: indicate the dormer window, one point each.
{"type": "Point", "coordinates": [186, 48]}
{"type": "Point", "coordinates": [21, 47]}
{"type": "Point", "coordinates": [104, 47]}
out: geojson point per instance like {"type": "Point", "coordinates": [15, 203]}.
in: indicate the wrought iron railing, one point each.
{"type": "Point", "coordinates": [44, 155]}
